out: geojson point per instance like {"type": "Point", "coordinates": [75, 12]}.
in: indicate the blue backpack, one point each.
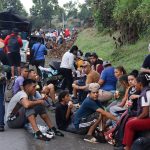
{"type": "Point", "coordinates": [13, 45]}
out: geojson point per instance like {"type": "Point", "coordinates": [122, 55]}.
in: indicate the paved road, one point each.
{"type": "Point", "coordinates": [20, 139]}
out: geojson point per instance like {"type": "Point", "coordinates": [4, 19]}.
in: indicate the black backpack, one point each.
{"type": "Point", "coordinates": [13, 45]}
{"type": "Point", "coordinates": [142, 143]}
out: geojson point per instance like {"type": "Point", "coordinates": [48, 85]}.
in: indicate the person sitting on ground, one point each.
{"type": "Point", "coordinates": [120, 88]}
{"type": "Point", "coordinates": [81, 85]}
{"type": "Point", "coordinates": [130, 96]}
{"type": "Point", "coordinates": [21, 108]}
{"type": "Point", "coordinates": [89, 107]}
{"type": "Point", "coordinates": [97, 64]}
{"type": "Point", "coordinates": [49, 90]}
{"type": "Point", "coordinates": [63, 112]}
{"type": "Point", "coordinates": [146, 64]}
{"type": "Point", "coordinates": [107, 82]}
{"type": "Point", "coordinates": [142, 120]}
{"type": "Point", "coordinates": [19, 80]}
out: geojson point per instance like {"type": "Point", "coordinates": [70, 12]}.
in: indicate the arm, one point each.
{"type": "Point", "coordinates": [101, 82]}
{"type": "Point", "coordinates": [145, 70]}
{"type": "Point", "coordinates": [20, 42]}
{"type": "Point", "coordinates": [69, 111]}
{"type": "Point", "coordinates": [145, 113]}
{"type": "Point", "coordinates": [71, 62]}
{"type": "Point", "coordinates": [106, 114]}
{"type": "Point", "coordinates": [26, 103]}
{"type": "Point", "coordinates": [123, 102]}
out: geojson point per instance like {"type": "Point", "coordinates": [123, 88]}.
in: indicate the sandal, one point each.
{"type": "Point", "coordinates": [90, 138]}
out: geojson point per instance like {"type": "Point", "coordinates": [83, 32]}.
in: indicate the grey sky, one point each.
{"type": "Point", "coordinates": [28, 3]}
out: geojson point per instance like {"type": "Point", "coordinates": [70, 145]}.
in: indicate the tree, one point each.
{"type": "Point", "coordinates": [71, 9]}
{"type": "Point", "coordinates": [14, 5]}
{"type": "Point", "coordinates": [44, 10]}
{"type": "Point", "coordinates": [85, 13]}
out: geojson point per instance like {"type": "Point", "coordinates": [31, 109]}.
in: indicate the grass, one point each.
{"type": "Point", "coordinates": [130, 56]}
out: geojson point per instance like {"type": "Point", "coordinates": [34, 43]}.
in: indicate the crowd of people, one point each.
{"type": "Point", "coordinates": [96, 98]}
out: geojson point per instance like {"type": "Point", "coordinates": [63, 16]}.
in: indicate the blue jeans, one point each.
{"type": "Point", "coordinates": [2, 104]}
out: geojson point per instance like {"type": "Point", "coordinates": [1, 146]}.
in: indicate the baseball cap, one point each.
{"type": "Point", "coordinates": [94, 87]}
{"type": "Point", "coordinates": [105, 63]}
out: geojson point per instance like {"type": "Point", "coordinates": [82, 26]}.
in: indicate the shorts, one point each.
{"type": "Point", "coordinates": [84, 125]}
{"type": "Point", "coordinates": [14, 59]}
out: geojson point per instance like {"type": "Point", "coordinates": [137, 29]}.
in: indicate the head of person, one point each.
{"type": "Point", "coordinates": [94, 90]}
{"type": "Point", "coordinates": [86, 66]}
{"type": "Point", "coordinates": [15, 31]}
{"type": "Point", "coordinates": [119, 71]}
{"type": "Point", "coordinates": [74, 50]}
{"type": "Point", "coordinates": [132, 78]}
{"type": "Point", "coordinates": [106, 64]}
{"type": "Point", "coordinates": [29, 86]}
{"type": "Point", "coordinates": [124, 80]}
{"type": "Point", "coordinates": [93, 58]}
{"type": "Point", "coordinates": [32, 75]}
{"type": "Point", "coordinates": [143, 80]}
{"type": "Point", "coordinates": [64, 97]}
{"type": "Point", "coordinates": [24, 72]}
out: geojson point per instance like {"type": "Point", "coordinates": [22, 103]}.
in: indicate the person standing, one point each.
{"type": "Point", "coordinates": [13, 44]}
{"type": "Point", "coordinates": [2, 91]}
{"type": "Point", "coordinates": [39, 51]}
{"type": "Point", "coordinates": [67, 67]}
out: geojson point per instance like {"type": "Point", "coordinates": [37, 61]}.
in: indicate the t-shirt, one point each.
{"type": "Point", "coordinates": [60, 114]}
{"type": "Point", "coordinates": [15, 99]}
{"type": "Point", "coordinates": [88, 107]}
{"type": "Point", "coordinates": [144, 102]}
{"type": "Point", "coordinates": [146, 63]}
{"type": "Point", "coordinates": [17, 84]}
{"type": "Point", "coordinates": [109, 79]}
{"type": "Point", "coordinates": [41, 51]}
{"type": "Point", "coordinates": [92, 77]}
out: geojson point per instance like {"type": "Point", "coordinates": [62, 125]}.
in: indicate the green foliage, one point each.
{"type": "Point", "coordinates": [102, 13]}
{"type": "Point", "coordinates": [85, 13]}
{"type": "Point", "coordinates": [43, 11]}
{"type": "Point", "coordinates": [15, 5]}
{"type": "Point", "coordinates": [71, 10]}
{"type": "Point", "coordinates": [130, 56]}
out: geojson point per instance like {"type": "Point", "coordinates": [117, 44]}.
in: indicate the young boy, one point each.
{"type": "Point", "coordinates": [64, 110]}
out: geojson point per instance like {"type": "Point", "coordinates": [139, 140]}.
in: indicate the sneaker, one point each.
{"type": "Point", "coordinates": [50, 132]}
{"type": "Point", "coordinates": [39, 135]}
{"type": "Point", "coordinates": [48, 135]}
{"type": "Point", "coordinates": [2, 129]}
{"type": "Point", "coordinates": [56, 132]}
{"type": "Point", "coordinates": [90, 138]}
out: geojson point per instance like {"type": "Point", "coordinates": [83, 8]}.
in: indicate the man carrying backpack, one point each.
{"type": "Point", "coordinates": [13, 44]}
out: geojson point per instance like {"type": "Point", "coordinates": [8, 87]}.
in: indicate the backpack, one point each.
{"type": "Point", "coordinates": [13, 45]}
{"type": "Point", "coordinates": [119, 130]}
{"type": "Point", "coordinates": [142, 143]}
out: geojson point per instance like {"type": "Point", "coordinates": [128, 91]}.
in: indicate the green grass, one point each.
{"type": "Point", "coordinates": [130, 56]}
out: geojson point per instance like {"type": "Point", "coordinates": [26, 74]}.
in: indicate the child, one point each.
{"type": "Point", "coordinates": [63, 111]}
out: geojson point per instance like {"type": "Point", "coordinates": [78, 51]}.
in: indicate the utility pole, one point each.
{"type": "Point", "coordinates": [63, 20]}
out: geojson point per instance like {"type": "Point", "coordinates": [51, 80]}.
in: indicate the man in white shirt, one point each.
{"type": "Point", "coordinates": [67, 67]}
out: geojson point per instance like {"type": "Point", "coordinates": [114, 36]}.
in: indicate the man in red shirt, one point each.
{"type": "Point", "coordinates": [13, 44]}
